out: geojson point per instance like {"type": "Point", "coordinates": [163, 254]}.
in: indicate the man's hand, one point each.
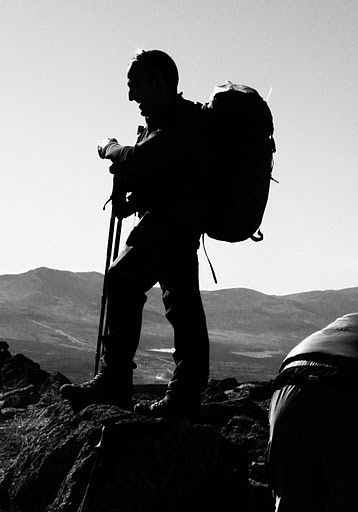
{"type": "Point", "coordinates": [102, 146]}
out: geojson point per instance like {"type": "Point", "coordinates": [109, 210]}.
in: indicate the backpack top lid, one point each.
{"type": "Point", "coordinates": [229, 86]}
{"type": "Point", "coordinates": [241, 104]}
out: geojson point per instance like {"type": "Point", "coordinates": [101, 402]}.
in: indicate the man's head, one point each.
{"type": "Point", "coordinates": [152, 81]}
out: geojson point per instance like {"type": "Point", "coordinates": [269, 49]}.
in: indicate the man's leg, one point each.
{"type": "Point", "coordinates": [294, 462]}
{"type": "Point", "coordinates": [339, 446]}
{"type": "Point", "coordinates": [129, 277]}
{"type": "Point", "coordinates": [179, 281]}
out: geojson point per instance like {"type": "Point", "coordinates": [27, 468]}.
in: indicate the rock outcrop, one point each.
{"type": "Point", "coordinates": [106, 459]}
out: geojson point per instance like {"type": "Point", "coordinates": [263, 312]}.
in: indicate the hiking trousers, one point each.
{"type": "Point", "coordinates": [313, 449]}
{"type": "Point", "coordinates": [154, 254]}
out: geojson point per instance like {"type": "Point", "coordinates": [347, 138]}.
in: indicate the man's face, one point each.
{"type": "Point", "coordinates": [144, 88]}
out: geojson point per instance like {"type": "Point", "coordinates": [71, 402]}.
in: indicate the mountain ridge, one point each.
{"type": "Point", "coordinates": [52, 315]}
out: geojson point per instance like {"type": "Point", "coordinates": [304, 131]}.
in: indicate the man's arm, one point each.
{"type": "Point", "coordinates": [152, 154]}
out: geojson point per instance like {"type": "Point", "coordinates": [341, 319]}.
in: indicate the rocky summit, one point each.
{"type": "Point", "coordinates": [105, 459]}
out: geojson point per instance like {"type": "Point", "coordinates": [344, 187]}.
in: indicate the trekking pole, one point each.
{"type": "Point", "coordinates": [118, 198]}
{"type": "Point", "coordinates": [104, 294]}
{"type": "Point", "coordinates": [115, 251]}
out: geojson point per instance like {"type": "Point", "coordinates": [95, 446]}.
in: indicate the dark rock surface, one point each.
{"type": "Point", "coordinates": [106, 459]}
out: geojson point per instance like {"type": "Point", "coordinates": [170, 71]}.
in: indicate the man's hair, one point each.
{"type": "Point", "coordinates": [159, 62]}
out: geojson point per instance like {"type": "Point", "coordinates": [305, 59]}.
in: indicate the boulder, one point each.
{"type": "Point", "coordinates": [132, 463]}
{"type": "Point", "coordinates": [4, 355]}
{"type": "Point", "coordinates": [19, 397]}
{"type": "Point", "coordinates": [20, 371]}
{"type": "Point", "coordinates": [103, 458]}
{"type": "Point", "coordinates": [3, 345]}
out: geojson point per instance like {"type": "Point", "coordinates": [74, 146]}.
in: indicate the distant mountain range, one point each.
{"type": "Point", "coordinates": [52, 316]}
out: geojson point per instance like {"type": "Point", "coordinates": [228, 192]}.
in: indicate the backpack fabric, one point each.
{"type": "Point", "coordinates": [240, 127]}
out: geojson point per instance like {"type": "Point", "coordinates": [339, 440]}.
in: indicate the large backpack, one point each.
{"type": "Point", "coordinates": [240, 131]}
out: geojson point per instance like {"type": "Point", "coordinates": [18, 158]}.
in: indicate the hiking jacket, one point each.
{"type": "Point", "coordinates": [337, 344]}
{"type": "Point", "coordinates": [164, 169]}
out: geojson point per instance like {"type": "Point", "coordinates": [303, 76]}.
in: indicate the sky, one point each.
{"type": "Point", "coordinates": [63, 89]}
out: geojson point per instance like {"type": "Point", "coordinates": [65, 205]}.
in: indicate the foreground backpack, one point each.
{"type": "Point", "coordinates": [240, 128]}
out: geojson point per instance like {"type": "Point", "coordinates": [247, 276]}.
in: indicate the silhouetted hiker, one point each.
{"type": "Point", "coordinates": [313, 448]}
{"type": "Point", "coordinates": [163, 173]}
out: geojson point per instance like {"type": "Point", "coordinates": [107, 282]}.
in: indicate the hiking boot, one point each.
{"type": "Point", "coordinates": [99, 390]}
{"type": "Point", "coordinates": [168, 407]}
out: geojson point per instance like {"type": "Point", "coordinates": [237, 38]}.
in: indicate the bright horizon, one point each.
{"type": "Point", "coordinates": [64, 89]}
